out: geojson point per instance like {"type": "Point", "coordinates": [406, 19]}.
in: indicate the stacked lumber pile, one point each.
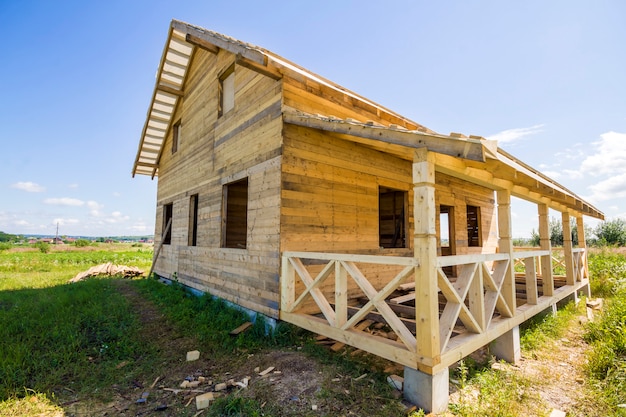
{"type": "Point", "coordinates": [108, 269]}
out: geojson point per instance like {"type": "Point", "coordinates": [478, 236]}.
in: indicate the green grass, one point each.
{"type": "Point", "coordinates": [41, 270]}
{"type": "Point", "coordinates": [59, 336]}
{"type": "Point", "coordinates": [65, 337]}
{"type": "Point", "coordinates": [606, 360]}
{"type": "Point", "coordinates": [539, 330]}
{"type": "Point", "coordinates": [493, 393]}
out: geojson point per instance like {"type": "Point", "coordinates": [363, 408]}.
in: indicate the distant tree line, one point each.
{"type": "Point", "coordinates": [7, 237]}
{"type": "Point", "coordinates": [607, 233]}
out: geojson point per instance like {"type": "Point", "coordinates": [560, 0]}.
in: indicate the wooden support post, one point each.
{"type": "Point", "coordinates": [544, 244]}
{"type": "Point", "coordinates": [287, 285]}
{"type": "Point", "coordinates": [531, 281]}
{"type": "Point", "coordinates": [505, 245]}
{"type": "Point", "coordinates": [158, 251]}
{"type": "Point", "coordinates": [582, 242]}
{"type": "Point", "coordinates": [568, 256]}
{"type": "Point", "coordinates": [425, 244]}
{"type": "Point", "coordinates": [341, 295]}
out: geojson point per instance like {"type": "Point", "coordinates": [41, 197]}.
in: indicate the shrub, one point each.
{"type": "Point", "coordinates": [43, 247]}
{"type": "Point", "coordinates": [5, 246]}
{"type": "Point", "coordinates": [81, 243]}
{"type": "Point", "coordinates": [612, 232]}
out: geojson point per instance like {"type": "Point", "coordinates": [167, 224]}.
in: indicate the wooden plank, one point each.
{"type": "Point", "coordinates": [245, 326]}
{"type": "Point", "coordinates": [403, 298]}
{"type": "Point", "coordinates": [360, 327]}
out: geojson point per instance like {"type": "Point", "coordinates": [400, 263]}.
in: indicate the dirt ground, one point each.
{"type": "Point", "coordinates": [294, 385]}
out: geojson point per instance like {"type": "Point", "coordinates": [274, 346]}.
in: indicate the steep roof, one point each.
{"type": "Point", "coordinates": [473, 158]}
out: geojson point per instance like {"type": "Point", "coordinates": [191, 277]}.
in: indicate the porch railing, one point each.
{"type": "Point", "coordinates": [474, 301]}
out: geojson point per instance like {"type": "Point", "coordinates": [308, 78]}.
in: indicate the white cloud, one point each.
{"type": "Point", "coordinates": [609, 158]}
{"type": "Point", "coordinates": [574, 174]}
{"type": "Point", "coordinates": [139, 228]}
{"type": "Point", "coordinates": [65, 222]}
{"type": "Point", "coordinates": [116, 217]}
{"type": "Point", "coordinates": [64, 201]}
{"type": "Point", "coordinates": [613, 187]}
{"type": "Point", "coordinates": [116, 194]}
{"type": "Point", "coordinates": [72, 186]}
{"type": "Point", "coordinates": [94, 208]}
{"type": "Point", "coordinates": [512, 135]}
{"type": "Point", "coordinates": [28, 186]}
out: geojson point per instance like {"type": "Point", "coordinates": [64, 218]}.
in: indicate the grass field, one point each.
{"type": "Point", "coordinates": [94, 347]}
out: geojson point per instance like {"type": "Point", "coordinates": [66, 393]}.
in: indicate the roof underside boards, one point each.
{"type": "Point", "coordinates": [169, 87]}
{"type": "Point", "coordinates": [474, 158]}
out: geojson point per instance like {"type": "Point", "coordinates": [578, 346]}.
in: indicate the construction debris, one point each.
{"type": "Point", "coordinates": [204, 400]}
{"type": "Point", "coordinates": [241, 328]}
{"type": "Point", "coordinates": [395, 381]}
{"type": "Point", "coordinates": [267, 371]}
{"type": "Point", "coordinates": [108, 269]}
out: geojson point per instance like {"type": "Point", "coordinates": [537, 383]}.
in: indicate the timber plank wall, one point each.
{"type": "Point", "coordinates": [213, 151]}
{"type": "Point", "coordinates": [307, 190]}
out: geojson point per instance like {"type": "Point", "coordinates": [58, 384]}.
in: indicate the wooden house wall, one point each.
{"type": "Point", "coordinates": [214, 151]}
{"type": "Point", "coordinates": [450, 191]}
{"type": "Point", "coordinates": [330, 193]}
{"type": "Point", "coordinates": [330, 203]}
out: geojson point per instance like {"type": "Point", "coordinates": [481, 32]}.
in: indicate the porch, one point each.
{"type": "Point", "coordinates": [434, 310]}
{"type": "Point", "coordinates": [427, 326]}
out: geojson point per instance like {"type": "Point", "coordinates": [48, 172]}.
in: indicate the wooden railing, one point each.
{"type": "Point", "coordinates": [557, 259]}
{"type": "Point", "coordinates": [342, 267]}
{"type": "Point", "coordinates": [316, 290]}
{"type": "Point", "coordinates": [474, 294]}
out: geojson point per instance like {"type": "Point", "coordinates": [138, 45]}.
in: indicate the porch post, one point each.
{"type": "Point", "coordinates": [567, 249]}
{"type": "Point", "coordinates": [582, 243]}
{"type": "Point", "coordinates": [423, 388]}
{"type": "Point", "coordinates": [508, 345]}
{"type": "Point", "coordinates": [544, 244]}
{"type": "Point", "coordinates": [505, 245]}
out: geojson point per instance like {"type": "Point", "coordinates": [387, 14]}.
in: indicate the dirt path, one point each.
{"type": "Point", "coordinates": [293, 386]}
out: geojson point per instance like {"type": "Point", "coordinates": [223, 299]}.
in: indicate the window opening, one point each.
{"type": "Point", "coordinates": [235, 215]}
{"type": "Point", "coordinates": [193, 220]}
{"type": "Point", "coordinates": [473, 226]}
{"type": "Point", "coordinates": [175, 136]}
{"type": "Point", "coordinates": [227, 91]}
{"type": "Point", "coordinates": [391, 218]}
{"type": "Point", "coordinates": [167, 218]}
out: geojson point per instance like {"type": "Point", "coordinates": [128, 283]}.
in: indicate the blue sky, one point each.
{"type": "Point", "coordinates": [544, 78]}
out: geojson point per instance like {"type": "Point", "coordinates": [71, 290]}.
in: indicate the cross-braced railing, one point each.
{"type": "Point", "coordinates": [474, 294]}
{"type": "Point", "coordinates": [475, 301]}
{"type": "Point", "coordinates": [335, 310]}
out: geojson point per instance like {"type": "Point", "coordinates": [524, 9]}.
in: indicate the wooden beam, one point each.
{"type": "Point", "coordinates": [170, 90]}
{"type": "Point", "coordinates": [220, 41]}
{"type": "Point", "coordinates": [201, 43]}
{"type": "Point", "coordinates": [461, 148]}
{"type": "Point", "coordinates": [261, 69]}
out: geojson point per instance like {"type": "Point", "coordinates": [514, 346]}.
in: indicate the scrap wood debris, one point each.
{"type": "Point", "coordinates": [108, 269]}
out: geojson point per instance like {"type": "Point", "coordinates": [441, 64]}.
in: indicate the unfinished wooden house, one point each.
{"type": "Point", "coordinates": [291, 196]}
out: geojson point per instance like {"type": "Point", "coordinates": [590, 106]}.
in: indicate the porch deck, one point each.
{"type": "Point", "coordinates": [427, 323]}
